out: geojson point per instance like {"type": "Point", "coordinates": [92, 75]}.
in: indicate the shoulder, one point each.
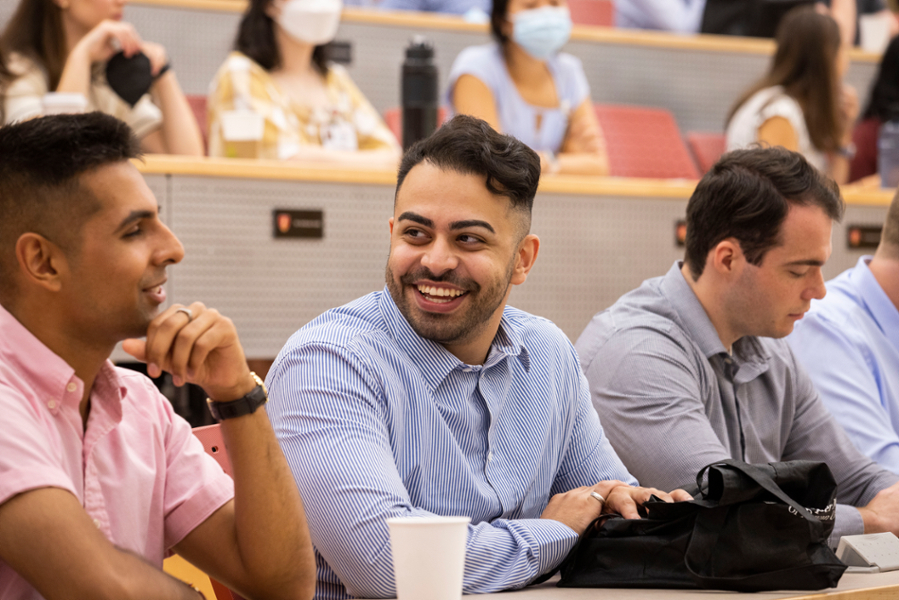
{"type": "Point", "coordinates": [142, 396]}
{"type": "Point", "coordinates": [537, 333]}
{"type": "Point", "coordinates": [478, 60]}
{"type": "Point", "coordinates": [359, 322]}
{"type": "Point", "coordinates": [569, 64]}
{"type": "Point", "coordinates": [642, 316]}
{"type": "Point", "coordinates": [236, 63]}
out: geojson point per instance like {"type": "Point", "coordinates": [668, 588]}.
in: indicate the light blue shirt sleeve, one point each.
{"type": "Point", "coordinates": [843, 373]}
{"type": "Point", "coordinates": [339, 441]}
{"type": "Point", "coordinates": [681, 16]}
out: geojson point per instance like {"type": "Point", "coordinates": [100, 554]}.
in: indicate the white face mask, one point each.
{"type": "Point", "coordinates": [311, 21]}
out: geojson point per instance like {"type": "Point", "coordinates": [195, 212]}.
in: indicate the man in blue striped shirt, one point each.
{"type": "Point", "coordinates": [433, 397]}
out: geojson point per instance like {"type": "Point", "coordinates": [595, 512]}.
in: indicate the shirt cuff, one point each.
{"type": "Point", "coordinates": [848, 521]}
{"type": "Point", "coordinates": [553, 539]}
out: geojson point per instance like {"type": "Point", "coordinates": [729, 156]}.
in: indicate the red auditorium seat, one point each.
{"type": "Point", "coordinates": [707, 148]}
{"type": "Point", "coordinates": [394, 119]}
{"type": "Point", "coordinates": [644, 142]}
{"type": "Point", "coordinates": [591, 12]}
{"type": "Point", "coordinates": [198, 106]}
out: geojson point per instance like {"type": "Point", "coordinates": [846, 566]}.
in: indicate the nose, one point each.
{"type": "Point", "coordinates": [817, 289]}
{"type": "Point", "coordinates": [439, 257]}
{"type": "Point", "coordinates": [170, 251]}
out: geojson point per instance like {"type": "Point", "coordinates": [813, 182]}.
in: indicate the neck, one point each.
{"type": "Point", "coordinates": [714, 306]}
{"type": "Point", "coordinates": [522, 67]}
{"type": "Point", "coordinates": [73, 33]}
{"type": "Point", "coordinates": [886, 271]}
{"type": "Point", "coordinates": [74, 348]}
{"type": "Point", "coordinates": [296, 56]}
{"type": "Point", "coordinates": [475, 348]}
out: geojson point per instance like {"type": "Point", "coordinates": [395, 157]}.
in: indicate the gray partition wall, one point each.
{"type": "Point", "coordinates": [698, 86]}
{"type": "Point", "coordinates": [593, 250]}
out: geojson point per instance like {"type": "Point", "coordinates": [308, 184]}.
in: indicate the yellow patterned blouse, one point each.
{"type": "Point", "coordinates": [249, 116]}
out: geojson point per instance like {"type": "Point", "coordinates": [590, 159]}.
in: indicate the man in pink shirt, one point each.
{"type": "Point", "coordinates": [99, 480]}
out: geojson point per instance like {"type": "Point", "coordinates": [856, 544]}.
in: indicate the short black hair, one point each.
{"type": "Point", "coordinates": [40, 162]}
{"type": "Point", "coordinates": [470, 146]}
{"type": "Point", "coordinates": [747, 195]}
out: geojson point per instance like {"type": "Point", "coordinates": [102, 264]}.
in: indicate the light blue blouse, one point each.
{"type": "Point", "coordinates": [517, 117]}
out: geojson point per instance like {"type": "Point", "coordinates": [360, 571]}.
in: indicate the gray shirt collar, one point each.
{"type": "Point", "coordinates": [750, 359]}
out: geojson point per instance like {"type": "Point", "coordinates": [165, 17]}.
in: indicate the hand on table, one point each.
{"type": "Point", "coordinates": [577, 508]}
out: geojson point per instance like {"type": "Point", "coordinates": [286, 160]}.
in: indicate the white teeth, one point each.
{"type": "Point", "coordinates": [440, 292]}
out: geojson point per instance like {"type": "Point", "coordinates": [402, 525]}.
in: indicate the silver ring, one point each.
{"type": "Point", "coordinates": [598, 497]}
{"type": "Point", "coordinates": [186, 311]}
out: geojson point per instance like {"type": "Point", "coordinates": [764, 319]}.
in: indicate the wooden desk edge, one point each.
{"type": "Point", "coordinates": [887, 592]}
{"type": "Point", "coordinates": [607, 35]}
{"type": "Point", "coordinates": [675, 189]}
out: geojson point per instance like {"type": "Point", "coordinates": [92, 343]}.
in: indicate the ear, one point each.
{"type": "Point", "coordinates": [726, 258]}
{"type": "Point", "coordinates": [40, 261]}
{"type": "Point", "coordinates": [527, 255]}
{"type": "Point", "coordinates": [390, 223]}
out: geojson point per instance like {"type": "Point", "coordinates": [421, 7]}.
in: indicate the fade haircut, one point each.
{"type": "Point", "coordinates": [889, 239]}
{"type": "Point", "coordinates": [40, 190]}
{"type": "Point", "coordinates": [747, 195]}
{"type": "Point", "coordinates": [469, 146]}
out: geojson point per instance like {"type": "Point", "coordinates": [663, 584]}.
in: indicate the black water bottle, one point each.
{"type": "Point", "coordinates": [419, 92]}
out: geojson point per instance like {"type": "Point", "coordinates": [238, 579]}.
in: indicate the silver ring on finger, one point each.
{"type": "Point", "coordinates": [598, 497]}
{"type": "Point", "coordinates": [186, 311]}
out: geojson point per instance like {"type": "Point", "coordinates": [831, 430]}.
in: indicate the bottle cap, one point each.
{"type": "Point", "coordinates": [419, 47]}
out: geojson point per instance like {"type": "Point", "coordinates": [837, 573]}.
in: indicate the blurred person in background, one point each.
{"type": "Point", "coordinates": [65, 45]}
{"type": "Point", "coordinates": [524, 86]}
{"type": "Point", "coordinates": [801, 103]}
{"type": "Point", "coordinates": [883, 104]}
{"type": "Point", "coordinates": [278, 97]}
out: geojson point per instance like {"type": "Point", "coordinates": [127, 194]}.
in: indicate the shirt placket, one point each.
{"type": "Point", "coordinates": [94, 501]}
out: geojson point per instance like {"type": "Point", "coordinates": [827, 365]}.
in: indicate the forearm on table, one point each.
{"type": "Point", "coordinates": [76, 74]}
{"type": "Point", "coordinates": [180, 131]}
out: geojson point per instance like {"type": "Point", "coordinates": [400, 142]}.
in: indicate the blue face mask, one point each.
{"type": "Point", "coordinates": [542, 31]}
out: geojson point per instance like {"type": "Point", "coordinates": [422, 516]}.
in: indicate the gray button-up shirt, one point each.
{"type": "Point", "coordinates": [672, 400]}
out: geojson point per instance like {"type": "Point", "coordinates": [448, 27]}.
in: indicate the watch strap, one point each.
{"type": "Point", "coordinates": [245, 405]}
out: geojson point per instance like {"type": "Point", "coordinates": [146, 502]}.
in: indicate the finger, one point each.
{"type": "Point", "coordinates": [212, 339]}
{"type": "Point", "coordinates": [680, 495]}
{"type": "Point", "coordinates": [665, 496]}
{"type": "Point", "coordinates": [185, 345]}
{"type": "Point", "coordinates": [160, 335]}
{"type": "Point", "coordinates": [622, 504]}
{"type": "Point", "coordinates": [136, 348]}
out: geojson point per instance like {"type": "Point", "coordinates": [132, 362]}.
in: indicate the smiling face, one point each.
{"type": "Point", "coordinates": [767, 299]}
{"type": "Point", "coordinates": [112, 282]}
{"type": "Point", "coordinates": [455, 251]}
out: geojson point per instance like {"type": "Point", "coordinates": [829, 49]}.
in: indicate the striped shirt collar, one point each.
{"type": "Point", "coordinates": [435, 361]}
{"type": "Point", "coordinates": [751, 357]}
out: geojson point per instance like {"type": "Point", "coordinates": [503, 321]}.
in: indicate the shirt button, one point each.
{"type": "Point", "coordinates": [71, 387]}
{"type": "Point", "coordinates": [489, 456]}
{"type": "Point", "coordinates": [51, 405]}
{"type": "Point", "coordinates": [466, 370]}
{"type": "Point", "coordinates": [97, 523]}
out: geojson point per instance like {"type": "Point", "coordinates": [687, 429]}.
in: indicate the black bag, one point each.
{"type": "Point", "coordinates": [749, 531]}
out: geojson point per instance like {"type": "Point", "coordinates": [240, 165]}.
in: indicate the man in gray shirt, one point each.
{"type": "Point", "coordinates": [689, 369]}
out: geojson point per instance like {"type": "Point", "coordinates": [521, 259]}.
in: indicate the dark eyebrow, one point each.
{"type": "Point", "coordinates": [806, 263]}
{"type": "Point", "coordinates": [136, 215]}
{"type": "Point", "coordinates": [471, 223]}
{"type": "Point", "coordinates": [411, 216]}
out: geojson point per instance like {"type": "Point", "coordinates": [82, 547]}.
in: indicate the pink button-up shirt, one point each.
{"type": "Point", "coordinates": [140, 474]}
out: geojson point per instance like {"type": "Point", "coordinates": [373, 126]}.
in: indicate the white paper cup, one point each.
{"type": "Point", "coordinates": [58, 103]}
{"type": "Point", "coordinates": [428, 556]}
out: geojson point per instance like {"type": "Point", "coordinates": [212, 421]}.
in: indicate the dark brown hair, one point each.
{"type": "Point", "coordinates": [36, 32]}
{"type": "Point", "coordinates": [470, 146]}
{"type": "Point", "coordinates": [805, 64]}
{"type": "Point", "coordinates": [256, 39]}
{"type": "Point", "coordinates": [747, 195]}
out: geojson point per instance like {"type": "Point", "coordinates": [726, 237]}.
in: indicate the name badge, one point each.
{"type": "Point", "coordinates": [339, 136]}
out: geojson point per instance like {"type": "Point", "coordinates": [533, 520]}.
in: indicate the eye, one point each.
{"type": "Point", "coordinates": [468, 239]}
{"type": "Point", "coordinates": [414, 234]}
{"type": "Point", "coordinates": [134, 232]}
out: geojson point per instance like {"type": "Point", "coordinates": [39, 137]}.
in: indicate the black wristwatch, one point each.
{"type": "Point", "coordinates": [246, 405]}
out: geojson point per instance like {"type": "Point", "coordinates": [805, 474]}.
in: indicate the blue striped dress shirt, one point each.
{"type": "Point", "coordinates": [377, 422]}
